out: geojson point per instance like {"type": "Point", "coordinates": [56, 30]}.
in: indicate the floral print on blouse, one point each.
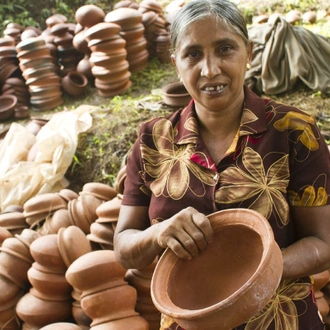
{"type": "Point", "coordinates": [277, 160]}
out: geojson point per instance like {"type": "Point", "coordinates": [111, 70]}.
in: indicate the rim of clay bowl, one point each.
{"type": "Point", "coordinates": [270, 267]}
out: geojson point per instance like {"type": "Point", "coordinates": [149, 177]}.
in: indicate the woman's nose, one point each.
{"type": "Point", "coordinates": [210, 67]}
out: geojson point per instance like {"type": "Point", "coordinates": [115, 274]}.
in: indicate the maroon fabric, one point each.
{"type": "Point", "coordinates": [280, 160]}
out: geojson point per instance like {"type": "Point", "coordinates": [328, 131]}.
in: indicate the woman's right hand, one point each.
{"type": "Point", "coordinates": [187, 233]}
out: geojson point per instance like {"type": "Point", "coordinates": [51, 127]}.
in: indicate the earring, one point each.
{"type": "Point", "coordinates": [180, 79]}
{"type": "Point", "coordinates": [248, 66]}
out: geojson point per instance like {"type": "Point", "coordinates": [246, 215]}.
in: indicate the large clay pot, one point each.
{"type": "Point", "coordinates": [89, 15]}
{"type": "Point", "coordinates": [243, 244]}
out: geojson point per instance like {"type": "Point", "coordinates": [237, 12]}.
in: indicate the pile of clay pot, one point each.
{"type": "Point", "coordinates": [38, 66]}
{"type": "Point", "coordinates": [293, 17]}
{"type": "Point", "coordinates": [58, 268]}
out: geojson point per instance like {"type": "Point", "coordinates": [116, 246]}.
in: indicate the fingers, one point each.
{"type": "Point", "coordinates": [186, 234]}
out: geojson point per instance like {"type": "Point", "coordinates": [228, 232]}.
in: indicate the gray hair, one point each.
{"type": "Point", "coordinates": [197, 10]}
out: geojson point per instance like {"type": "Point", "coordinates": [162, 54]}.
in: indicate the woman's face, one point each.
{"type": "Point", "coordinates": [211, 60]}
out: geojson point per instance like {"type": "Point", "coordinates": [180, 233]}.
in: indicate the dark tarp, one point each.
{"type": "Point", "coordinates": [284, 54]}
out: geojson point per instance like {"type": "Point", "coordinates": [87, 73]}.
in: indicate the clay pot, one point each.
{"type": "Point", "coordinates": [68, 194]}
{"type": "Point", "coordinates": [79, 42]}
{"type": "Point", "coordinates": [108, 46]}
{"type": "Point", "coordinates": [102, 59]}
{"type": "Point", "coordinates": [48, 202]}
{"type": "Point", "coordinates": [84, 67]}
{"type": "Point", "coordinates": [62, 326]}
{"type": "Point", "coordinates": [99, 190]}
{"type": "Point", "coordinates": [89, 15]}
{"type": "Point", "coordinates": [127, 18]}
{"type": "Point", "coordinates": [7, 106]}
{"type": "Point", "coordinates": [37, 312]}
{"type": "Point", "coordinates": [74, 83]}
{"type": "Point", "coordinates": [4, 234]}
{"type": "Point", "coordinates": [243, 244]}
{"type": "Point", "coordinates": [109, 211]}
{"type": "Point", "coordinates": [110, 304]}
{"type": "Point", "coordinates": [132, 323]}
{"type": "Point", "coordinates": [102, 31]}
{"type": "Point", "coordinates": [46, 253]}
{"type": "Point", "coordinates": [49, 286]}
{"type": "Point", "coordinates": [72, 244]}
{"type": "Point", "coordinates": [95, 271]}
{"type": "Point", "coordinates": [175, 95]}
{"type": "Point", "coordinates": [102, 233]}
{"type": "Point", "coordinates": [12, 220]}
{"type": "Point", "coordinates": [8, 290]}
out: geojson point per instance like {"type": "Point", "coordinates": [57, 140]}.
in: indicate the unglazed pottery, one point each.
{"type": "Point", "coordinates": [95, 271]}
{"type": "Point", "coordinates": [89, 15]}
{"type": "Point", "coordinates": [175, 95]}
{"type": "Point", "coordinates": [229, 282]}
{"type": "Point", "coordinates": [61, 326]}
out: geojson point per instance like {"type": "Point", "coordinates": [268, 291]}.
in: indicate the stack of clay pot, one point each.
{"type": "Point", "coordinates": [40, 74]}
{"type": "Point", "coordinates": [140, 279]}
{"type": "Point", "coordinates": [73, 243]}
{"type": "Point", "coordinates": [15, 260]}
{"type": "Point", "coordinates": [13, 30]}
{"type": "Point", "coordinates": [105, 295]}
{"type": "Point", "coordinates": [155, 25]}
{"type": "Point", "coordinates": [49, 299]}
{"type": "Point", "coordinates": [321, 291]}
{"type": "Point", "coordinates": [8, 60]}
{"type": "Point", "coordinates": [68, 56]}
{"type": "Point", "coordinates": [132, 30]}
{"type": "Point", "coordinates": [108, 59]}
{"type": "Point", "coordinates": [102, 230]}
{"type": "Point", "coordinates": [126, 3]}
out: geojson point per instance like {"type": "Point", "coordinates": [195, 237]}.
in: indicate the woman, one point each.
{"type": "Point", "coordinates": [228, 149]}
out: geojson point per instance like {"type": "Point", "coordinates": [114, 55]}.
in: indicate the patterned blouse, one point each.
{"type": "Point", "coordinates": [278, 159]}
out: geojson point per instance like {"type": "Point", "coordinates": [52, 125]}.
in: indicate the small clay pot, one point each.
{"type": "Point", "coordinates": [7, 106]}
{"type": "Point", "coordinates": [175, 95]}
{"type": "Point", "coordinates": [103, 30]}
{"type": "Point", "coordinates": [89, 15]}
{"type": "Point", "coordinates": [95, 271]}
{"type": "Point", "coordinates": [39, 313]}
{"type": "Point", "coordinates": [111, 304]}
{"type": "Point", "coordinates": [99, 190]}
{"type": "Point", "coordinates": [62, 326]}
{"type": "Point", "coordinates": [132, 323]}
{"type": "Point", "coordinates": [127, 18]}
{"type": "Point", "coordinates": [45, 252]}
{"type": "Point", "coordinates": [72, 243]}
{"type": "Point", "coordinates": [74, 83]}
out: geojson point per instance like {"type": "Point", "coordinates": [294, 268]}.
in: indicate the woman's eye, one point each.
{"type": "Point", "coordinates": [225, 49]}
{"type": "Point", "coordinates": [193, 54]}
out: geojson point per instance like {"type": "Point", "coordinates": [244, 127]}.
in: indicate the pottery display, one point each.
{"type": "Point", "coordinates": [175, 95]}
{"type": "Point", "coordinates": [253, 253]}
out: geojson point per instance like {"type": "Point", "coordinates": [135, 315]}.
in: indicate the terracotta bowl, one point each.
{"type": "Point", "coordinates": [231, 281]}
{"type": "Point", "coordinates": [175, 95]}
